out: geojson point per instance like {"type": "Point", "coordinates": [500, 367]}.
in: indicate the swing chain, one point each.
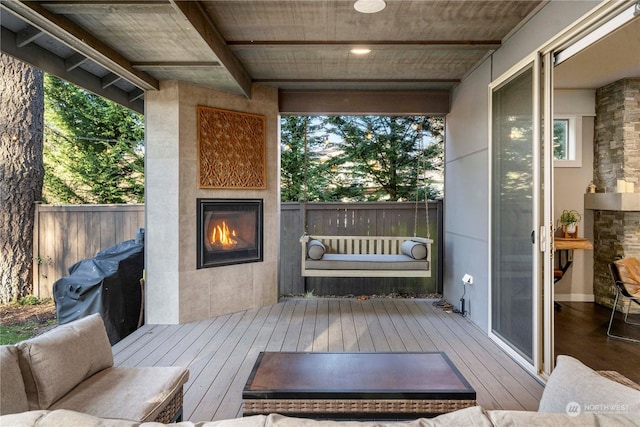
{"type": "Point", "coordinates": [304, 187]}
{"type": "Point", "coordinates": [421, 167]}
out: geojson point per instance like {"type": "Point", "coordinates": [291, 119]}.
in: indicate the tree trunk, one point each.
{"type": "Point", "coordinates": [21, 172]}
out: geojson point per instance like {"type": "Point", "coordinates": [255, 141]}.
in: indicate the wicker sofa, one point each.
{"type": "Point", "coordinates": [71, 368]}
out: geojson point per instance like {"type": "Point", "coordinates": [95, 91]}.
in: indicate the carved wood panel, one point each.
{"type": "Point", "coordinates": [231, 149]}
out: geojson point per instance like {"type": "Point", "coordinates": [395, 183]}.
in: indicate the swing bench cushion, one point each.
{"type": "Point", "coordinates": [364, 262]}
{"type": "Point", "coordinates": [413, 254]}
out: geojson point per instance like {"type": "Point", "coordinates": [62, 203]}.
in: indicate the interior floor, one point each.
{"type": "Point", "coordinates": [581, 332]}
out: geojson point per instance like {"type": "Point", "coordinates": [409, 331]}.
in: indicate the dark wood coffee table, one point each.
{"type": "Point", "coordinates": [355, 385]}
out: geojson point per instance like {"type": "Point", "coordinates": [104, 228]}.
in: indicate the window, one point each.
{"type": "Point", "coordinates": [567, 141]}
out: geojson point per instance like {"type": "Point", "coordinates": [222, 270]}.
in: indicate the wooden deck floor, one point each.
{"type": "Point", "coordinates": [220, 352]}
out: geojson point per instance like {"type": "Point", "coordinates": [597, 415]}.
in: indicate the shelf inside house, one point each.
{"type": "Point", "coordinates": [612, 201]}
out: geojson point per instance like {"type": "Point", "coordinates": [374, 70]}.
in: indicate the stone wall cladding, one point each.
{"type": "Point", "coordinates": [608, 159]}
{"type": "Point", "coordinates": [616, 156]}
{"type": "Point", "coordinates": [631, 132]}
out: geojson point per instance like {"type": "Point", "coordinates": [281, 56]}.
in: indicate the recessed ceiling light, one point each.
{"type": "Point", "coordinates": [369, 6]}
{"type": "Point", "coordinates": [360, 51]}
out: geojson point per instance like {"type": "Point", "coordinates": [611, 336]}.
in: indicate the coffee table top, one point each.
{"type": "Point", "coordinates": [281, 375]}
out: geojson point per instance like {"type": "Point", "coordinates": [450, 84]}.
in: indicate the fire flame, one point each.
{"type": "Point", "coordinates": [223, 236]}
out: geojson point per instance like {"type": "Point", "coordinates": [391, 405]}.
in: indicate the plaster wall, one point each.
{"type": "Point", "coordinates": [177, 292]}
{"type": "Point", "coordinates": [570, 185]}
{"type": "Point", "coordinates": [467, 167]}
{"type": "Point", "coordinates": [466, 204]}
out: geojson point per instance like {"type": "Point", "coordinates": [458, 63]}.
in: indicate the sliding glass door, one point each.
{"type": "Point", "coordinates": [521, 200]}
{"type": "Point", "coordinates": [515, 212]}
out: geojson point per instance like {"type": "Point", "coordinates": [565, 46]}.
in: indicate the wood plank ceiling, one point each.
{"type": "Point", "coordinates": [292, 44]}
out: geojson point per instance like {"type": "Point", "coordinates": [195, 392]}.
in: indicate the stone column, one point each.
{"type": "Point", "coordinates": [616, 156]}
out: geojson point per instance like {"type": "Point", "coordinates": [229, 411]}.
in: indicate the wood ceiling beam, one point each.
{"type": "Point", "coordinates": [109, 80]}
{"type": "Point", "coordinates": [53, 64]}
{"type": "Point", "coordinates": [135, 95]}
{"type": "Point", "coordinates": [80, 40]}
{"type": "Point", "coordinates": [74, 61]}
{"type": "Point", "coordinates": [451, 81]}
{"type": "Point", "coordinates": [159, 65]}
{"type": "Point", "coordinates": [334, 102]}
{"type": "Point", "coordinates": [28, 35]}
{"type": "Point", "coordinates": [448, 44]}
{"type": "Point", "coordinates": [155, 7]}
{"type": "Point", "coordinates": [195, 13]}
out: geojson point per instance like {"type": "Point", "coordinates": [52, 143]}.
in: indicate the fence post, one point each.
{"type": "Point", "coordinates": [35, 251]}
{"type": "Point", "coordinates": [440, 268]}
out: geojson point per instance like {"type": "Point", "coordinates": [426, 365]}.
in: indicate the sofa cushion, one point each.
{"type": "Point", "coordinates": [315, 249]}
{"type": "Point", "coordinates": [13, 397]}
{"type": "Point", "coordinates": [23, 419]}
{"type": "Point", "coordinates": [574, 387]}
{"type": "Point", "coordinates": [539, 419]}
{"type": "Point", "coordinates": [468, 417]}
{"type": "Point", "coordinates": [63, 417]}
{"type": "Point", "coordinates": [60, 418]}
{"type": "Point", "coordinates": [252, 421]}
{"type": "Point", "coordinates": [137, 394]}
{"type": "Point", "coordinates": [415, 250]}
{"type": "Point", "coordinates": [54, 363]}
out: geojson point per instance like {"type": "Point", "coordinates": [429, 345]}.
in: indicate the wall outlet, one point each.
{"type": "Point", "coordinates": [467, 279]}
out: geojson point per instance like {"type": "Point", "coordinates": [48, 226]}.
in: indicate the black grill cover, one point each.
{"type": "Point", "coordinates": [109, 284]}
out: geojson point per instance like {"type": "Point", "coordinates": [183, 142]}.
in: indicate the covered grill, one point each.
{"type": "Point", "coordinates": [109, 284]}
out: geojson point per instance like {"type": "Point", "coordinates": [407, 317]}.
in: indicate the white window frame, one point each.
{"type": "Point", "coordinates": [574, 142]}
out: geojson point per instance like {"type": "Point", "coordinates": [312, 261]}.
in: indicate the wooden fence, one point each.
{"type": "Point", "coordinates": [357, 219]}
{"type": "Point", "coordinates": [64, 235]}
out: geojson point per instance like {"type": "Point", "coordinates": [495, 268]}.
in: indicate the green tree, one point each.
{"type": "Point", "coordinates": [383, 156]}
{"type": "Point", "coordinates": [560, 139]}
{"type": "Point", "coordinates": [360, 158]}
{"type": "Point", "coordinates": [94, 151]}
{"type": "Point", "coordinates": [300, 178]}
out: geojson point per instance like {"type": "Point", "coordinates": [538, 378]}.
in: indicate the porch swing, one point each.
{"type": "Point", "coordinates": [365, 256]}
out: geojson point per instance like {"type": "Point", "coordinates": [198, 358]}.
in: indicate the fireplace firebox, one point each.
{"type": "Point", "coordinates": [229, 231]}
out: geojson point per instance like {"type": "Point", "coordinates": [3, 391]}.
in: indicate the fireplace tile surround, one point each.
{"type": "Point", "coordinates": [177, 291]}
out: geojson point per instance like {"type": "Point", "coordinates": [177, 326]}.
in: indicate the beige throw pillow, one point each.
{"type": "Point", "coordinates": [629, 271]}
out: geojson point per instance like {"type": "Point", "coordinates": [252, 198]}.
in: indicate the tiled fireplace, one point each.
{"type": "Point", "coordinates": [183, 283]}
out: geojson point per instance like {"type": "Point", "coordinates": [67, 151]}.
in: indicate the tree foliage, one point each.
{"type": "Point", "coordinates": [94, 151]}
{"type": "Point", "coordinates": [300, 178]}
{"type": "Point", "coordinates": [362, 158]}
